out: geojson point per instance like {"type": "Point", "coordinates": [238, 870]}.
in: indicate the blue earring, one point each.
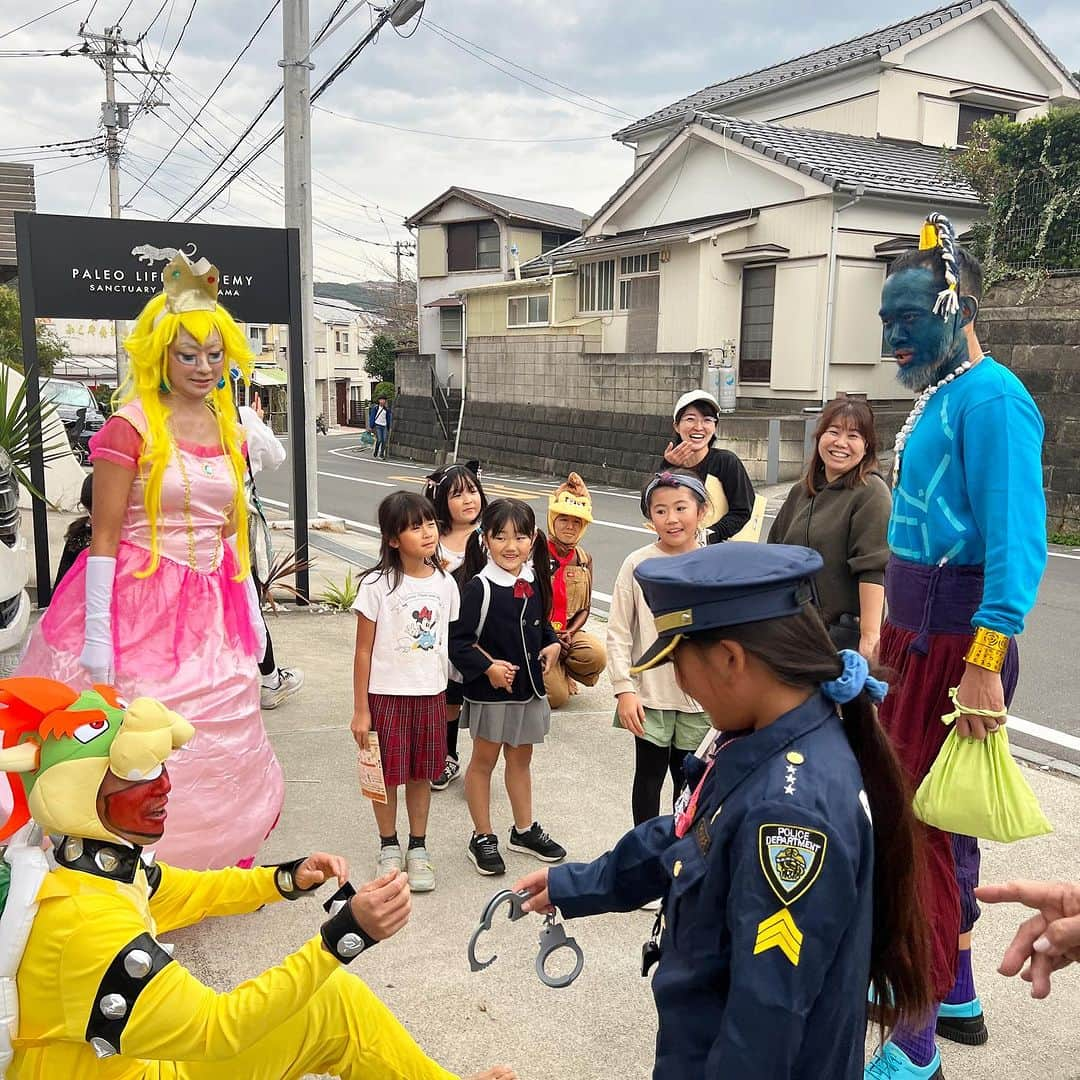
{"type": "Point", "coordinates": [164, 387]}
{"type": "Point", "coordinates": [221, 383]}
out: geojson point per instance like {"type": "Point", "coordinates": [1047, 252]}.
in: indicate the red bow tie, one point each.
{"type": "Point", "coordinates": [522, 588]}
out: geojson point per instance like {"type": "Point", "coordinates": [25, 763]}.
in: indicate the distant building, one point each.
{"type": "Point", "coordinates": [16, 193]}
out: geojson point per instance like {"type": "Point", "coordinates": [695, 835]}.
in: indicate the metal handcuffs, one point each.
{"type": "Point", "coordinates": [552, 938]}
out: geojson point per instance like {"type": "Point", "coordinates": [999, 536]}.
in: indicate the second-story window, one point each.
{"type": "Point", "coordinates": [473, 245]}
{"type": "Point", "coordinates": [549, 241]}
{"type": "Point", "coordinates": [341, 341]}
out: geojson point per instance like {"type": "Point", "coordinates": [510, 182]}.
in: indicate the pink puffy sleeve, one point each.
{"type": "Point", "coordinates": [118, 442]}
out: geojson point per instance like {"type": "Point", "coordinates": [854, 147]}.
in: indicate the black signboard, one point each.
{"type": "Point", "coordinates": [107, 268]}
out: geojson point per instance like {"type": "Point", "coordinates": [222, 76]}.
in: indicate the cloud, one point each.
{"type": "Point", "coordinates": [628, 58]}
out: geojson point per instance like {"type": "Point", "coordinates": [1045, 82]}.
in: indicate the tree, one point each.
{"type": "Point", "coordinates": [50, 346]}
{"type": "Point", "coordinates": [380, 358]}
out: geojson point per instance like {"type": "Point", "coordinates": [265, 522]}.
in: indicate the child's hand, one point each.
{"type": "Point", "coordinates": [536, 884]}
{"type": "Point", "coordinates": [549, 656]}
{"type": "Point", "coordinates": [501, 675]}
{"type": "Point", "coordinates": [631, 713]}
{"type": "Point", "coordinates": [360, 726]}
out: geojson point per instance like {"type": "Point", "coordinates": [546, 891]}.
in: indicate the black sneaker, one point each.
{"type": "Point", "coordinates": [451, 771]}
{"type": "Point", "coordinates": [534, 841]}
{"type": "Point", "coordinates": [484, 852]}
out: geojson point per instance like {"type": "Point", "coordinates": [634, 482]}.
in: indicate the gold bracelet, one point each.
{"type": "Point", "coordinates": [988, 649]}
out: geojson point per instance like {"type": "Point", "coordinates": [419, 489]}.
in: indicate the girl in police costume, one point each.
{"type": "Point", "coordinates": [502, 643]}
{"type": "Point", "coordinates": [788, 874]}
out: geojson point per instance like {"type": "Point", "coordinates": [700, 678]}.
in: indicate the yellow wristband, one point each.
{"type": "Point", "coordinates": [988, 649]}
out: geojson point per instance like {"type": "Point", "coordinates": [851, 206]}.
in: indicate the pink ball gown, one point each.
{"type": "Point", "coordinates": [183, 636]}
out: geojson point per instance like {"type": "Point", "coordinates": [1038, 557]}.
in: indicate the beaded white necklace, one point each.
{"type": "Point", "coordinates": [917, 410]}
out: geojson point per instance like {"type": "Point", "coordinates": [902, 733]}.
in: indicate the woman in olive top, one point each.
{"type": "Point", "coordinates": [840, 508]}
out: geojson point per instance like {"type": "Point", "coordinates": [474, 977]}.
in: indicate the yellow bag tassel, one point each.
{"type": "Point", "coordinates": [928, 237]}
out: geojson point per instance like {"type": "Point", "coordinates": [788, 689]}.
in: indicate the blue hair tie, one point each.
{"type": "Point", "coordinates": [856, 677]}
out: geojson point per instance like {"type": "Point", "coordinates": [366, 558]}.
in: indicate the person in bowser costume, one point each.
{"type": "Point", "coordinates": [787, 874]}
{"type": "Point", "coordinates": [99, 997]}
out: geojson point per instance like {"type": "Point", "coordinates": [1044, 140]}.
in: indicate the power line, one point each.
{"type": "Point", "coordinates": [232, 67]}
{"type": "Point", "coordinates": [150, 24]}
{"type": "Point", "coordinates": [611, 114]}
{"type": "Point", "coordinates": [462, 138]}
{"type": "Point", "coordinates": [513, 63]}
{"type": "Point", "coordinates": [37, 18]}
{"type": "Point", "coordinates": [160, 71]}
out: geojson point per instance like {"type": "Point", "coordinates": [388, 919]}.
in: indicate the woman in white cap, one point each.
{"type": "Point", "coordinates": [731, 494]}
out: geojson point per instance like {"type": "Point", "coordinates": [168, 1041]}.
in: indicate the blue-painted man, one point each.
{"type": "Point", "coordinates": [968, 540]}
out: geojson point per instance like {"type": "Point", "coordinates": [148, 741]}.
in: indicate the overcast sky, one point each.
{"type": "Point", "coordinates": [628, 56]}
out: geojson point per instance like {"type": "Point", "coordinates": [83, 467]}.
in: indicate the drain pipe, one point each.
{"type": "Point", "coordinates": [464, 370]}
{"type": "Point", "coordinates": [830, 302]}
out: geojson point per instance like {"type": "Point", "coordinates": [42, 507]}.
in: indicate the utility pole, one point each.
{"type": "Point", "coordinates": [105, 49]}
{"type": "Point", "coordinates": [397, 251]}
{"type": "Point", "coordinates": [297, 68]}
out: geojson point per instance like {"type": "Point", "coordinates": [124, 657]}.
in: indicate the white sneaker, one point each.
{"type": "Point", "coordinates": [420, 870]}
{"type": "Point", "coordinates": [289, 682]}
{"type": "Point", "coordinates": [389, 859]}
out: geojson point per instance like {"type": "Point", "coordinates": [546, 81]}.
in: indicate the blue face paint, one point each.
{"type": "Point", "coordinates": [926, 346]}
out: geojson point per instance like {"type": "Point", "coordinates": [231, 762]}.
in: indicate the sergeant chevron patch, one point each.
{"type": "Point", "coordinates": [780, 932]}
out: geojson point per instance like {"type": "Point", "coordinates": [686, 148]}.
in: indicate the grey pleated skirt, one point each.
{"type": "Point", "coordinates": [517, 723]}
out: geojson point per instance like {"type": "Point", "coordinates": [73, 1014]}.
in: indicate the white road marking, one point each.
{"type": "Point", "coordinates": [1043, 733]}
{"type": "Point", "coordinates": [1061, 555]}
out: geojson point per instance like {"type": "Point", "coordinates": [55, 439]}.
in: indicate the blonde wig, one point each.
{"type": "Point", "coordinates": [148, 377]}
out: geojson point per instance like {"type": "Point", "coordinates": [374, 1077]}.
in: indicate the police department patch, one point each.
{"type": "Point", "coordinates": [791, 859]}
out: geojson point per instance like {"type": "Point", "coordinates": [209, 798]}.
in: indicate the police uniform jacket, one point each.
{"type": "Point", "coordinates": [512, 628]}
{"type": "Point", "coordinates": [767, 911]}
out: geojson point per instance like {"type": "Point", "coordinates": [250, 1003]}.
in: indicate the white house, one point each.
{"type": "Point", "coordinates": [763, 211]}
{"type": "Point", "coordinates": [465, 238]}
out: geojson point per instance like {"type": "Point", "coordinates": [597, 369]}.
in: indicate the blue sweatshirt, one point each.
{"type": "Point", "coordinates": [971, 491]}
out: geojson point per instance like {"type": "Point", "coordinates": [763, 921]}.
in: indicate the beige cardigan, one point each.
{"type": "Point", "coordinates": [630, 632]}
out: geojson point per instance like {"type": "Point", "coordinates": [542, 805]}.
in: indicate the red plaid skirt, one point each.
{"type": "Point", "coordinates": [412, 736]}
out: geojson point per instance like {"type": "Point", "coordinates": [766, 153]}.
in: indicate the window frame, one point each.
{"type": "Point", "coordinates": [460, 342]}
{"type": "Point", "coordinates": [626, 277]}
{"type": "Point", "coordinates": [530, 322]}
{"type": "Point", "coordinates": [492, 252]}
{"type": "Point", "coordinates": [341, 336]}
{"type": "Point", "coordinates": [591, 282]}
{"type": "Point", "coordinates": [743, 325]}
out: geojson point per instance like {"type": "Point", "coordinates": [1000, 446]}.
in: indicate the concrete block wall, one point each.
{"type": "Point", "coordinates": [1039, 339]}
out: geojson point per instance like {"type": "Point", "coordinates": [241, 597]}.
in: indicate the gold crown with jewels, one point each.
{"type": "Point", "coordinates": [190, 286]}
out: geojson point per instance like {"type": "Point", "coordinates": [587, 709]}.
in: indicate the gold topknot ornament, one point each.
{"type": "Point", "coordinates": [190, 286]}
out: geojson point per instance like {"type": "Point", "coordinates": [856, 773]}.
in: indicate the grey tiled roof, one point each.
{"type": "Point", "coordinates": [881, 166]}
{"type": "Point", "coordinates": [875, 43]}
{"type": "Point", "coordinates": [565, 217]}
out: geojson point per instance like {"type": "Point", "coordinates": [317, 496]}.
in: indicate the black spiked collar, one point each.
{"type": "Point", "coordinates": [102, 858]}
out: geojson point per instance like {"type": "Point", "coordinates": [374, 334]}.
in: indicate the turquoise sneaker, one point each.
{"type": "Point", "coordinates": [891, 1063]}
{"type": "Point", "coordinates": [963, 1023]}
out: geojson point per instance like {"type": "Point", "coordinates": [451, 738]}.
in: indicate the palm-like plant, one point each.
{"type": "Point", "coordinates": [284, 565]}
{"type": "Point", "coordinates": [16, 446]}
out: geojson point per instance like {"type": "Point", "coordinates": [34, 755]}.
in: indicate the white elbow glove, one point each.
{"type": "Point", "coordinates": [251, 594]}
{"type": "Point", "coordinates": [97, 655]}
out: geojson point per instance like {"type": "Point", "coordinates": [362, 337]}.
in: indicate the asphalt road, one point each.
{"type": "Point", "coordinates": [351, 485]}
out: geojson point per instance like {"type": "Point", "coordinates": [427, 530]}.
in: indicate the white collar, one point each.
{"type": "Point", "coordinates": [498, 576]}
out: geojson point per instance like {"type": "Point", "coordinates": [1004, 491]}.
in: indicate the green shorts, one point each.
{"type": "Point", "coordinates": [667, 727]}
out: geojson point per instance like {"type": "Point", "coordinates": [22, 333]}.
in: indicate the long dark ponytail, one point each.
{"type": "Point", "coordinates": [798, 651]}
{"type": "Point", "coordinates": [498, 515]}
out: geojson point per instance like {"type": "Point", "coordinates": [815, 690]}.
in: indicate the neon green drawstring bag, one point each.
{"type": "Point", "coordinates": [977, 789]}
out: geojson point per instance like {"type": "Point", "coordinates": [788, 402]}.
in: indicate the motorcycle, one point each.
{"type": "Point", "coordinates": [78, 436]}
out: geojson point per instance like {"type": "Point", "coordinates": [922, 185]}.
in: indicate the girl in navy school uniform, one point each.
{"type": "Point", "coordinates": [458, 497]}
{"type": "Point", "coordinates": [788, 874]}
{"type": "Point", "coordinates": [502, 643]}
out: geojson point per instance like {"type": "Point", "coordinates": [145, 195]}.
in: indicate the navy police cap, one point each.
{"type": "Point", "coordinates": [722, 585]}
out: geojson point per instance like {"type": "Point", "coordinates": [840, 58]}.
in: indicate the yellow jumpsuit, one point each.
{"type": "Point", "coordinates": [306, 1015]}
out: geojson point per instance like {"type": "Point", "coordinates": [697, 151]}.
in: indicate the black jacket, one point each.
{"type": "Point", "coordinates": [514, 629]}
{"type": "Point", "coordinates": [735, 482]}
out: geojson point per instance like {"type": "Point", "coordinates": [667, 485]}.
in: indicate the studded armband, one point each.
{"type": "Point", "coordinates": [285, 880]}
{"type": "Point", "coordinates": [344, 937]}
{"type": "Point", "coordinates": [129, 973]}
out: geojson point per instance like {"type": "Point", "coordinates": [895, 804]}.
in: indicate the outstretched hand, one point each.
{"type": "Point", "coordinates": [318, 867]}
{"type": "Point", "coordinates": [1049, 940]}
{"type": "Point", "coordinates": [536, 884]}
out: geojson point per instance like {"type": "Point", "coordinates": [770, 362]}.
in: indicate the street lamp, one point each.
{"type": "Point", "coordinates": [404, 10]}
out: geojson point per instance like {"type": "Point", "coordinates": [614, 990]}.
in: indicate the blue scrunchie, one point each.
{"type": "Point", "coordinates": [854, 680]}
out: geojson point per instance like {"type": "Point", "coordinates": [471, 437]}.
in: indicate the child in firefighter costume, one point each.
{"type": "Point", "coordinates": [583, 656]}
{"type": "Point", "coordinates": [99, 997]}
